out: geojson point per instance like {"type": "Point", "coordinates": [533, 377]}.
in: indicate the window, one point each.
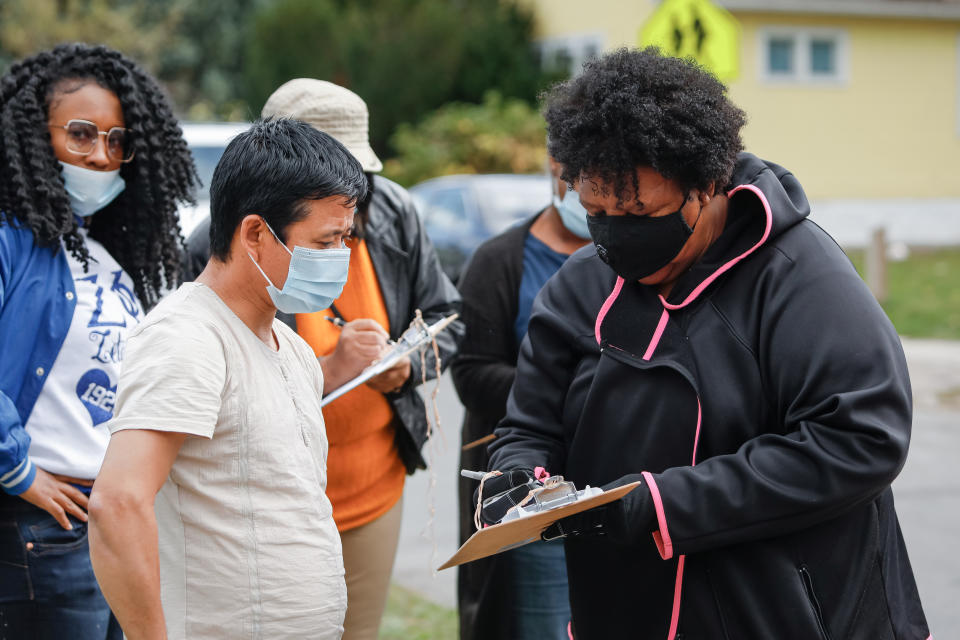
{"type": "Point", "coordinates": [803, 56]}
{"type": "Point", "coordinates": [823, 56]}
{"type": "Point", "coordinates": [781, 55]}
{"type": "Point", "coordinates": [568, 53]}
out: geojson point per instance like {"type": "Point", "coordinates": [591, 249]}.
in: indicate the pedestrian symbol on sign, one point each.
{"type": "Point", "coordinates": [696, 29]}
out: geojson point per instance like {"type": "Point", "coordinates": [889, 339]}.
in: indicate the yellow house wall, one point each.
{"type": "Point", "coordinates": [891, 131]}
{"type": "Point", "coordinates": [618, 20]}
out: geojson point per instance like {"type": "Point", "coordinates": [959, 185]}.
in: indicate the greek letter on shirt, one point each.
{"type": "Point", "coordinates": [110, 344]}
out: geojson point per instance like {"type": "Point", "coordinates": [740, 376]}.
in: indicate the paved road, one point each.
{"type": "Point", "coordinates": [425, 541]}
{"type": "Point", "coordinates": [927, 493]}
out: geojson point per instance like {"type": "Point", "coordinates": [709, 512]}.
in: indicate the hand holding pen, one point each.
{"type": "Point", "coordinates": [361, 343]}
{"type": "Point", "coordinates": [362, 334]}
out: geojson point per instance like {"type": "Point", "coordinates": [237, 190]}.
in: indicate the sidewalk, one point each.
{"type": "Point", "coordinates": [935, 373]}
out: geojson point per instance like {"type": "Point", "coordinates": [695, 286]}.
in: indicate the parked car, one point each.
{"type": "Point", "coordinates": [459, 212]}
{"type": "Point", "coordinates": [206, 141]}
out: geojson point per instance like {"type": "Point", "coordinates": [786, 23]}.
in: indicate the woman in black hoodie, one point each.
{"type": "Point", "coordinates": [720, 348]}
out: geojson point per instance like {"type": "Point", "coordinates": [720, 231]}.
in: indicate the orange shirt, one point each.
{"type": "Point", "coordinates": [365, 474]}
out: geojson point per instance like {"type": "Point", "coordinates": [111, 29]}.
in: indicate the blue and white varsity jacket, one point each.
{"type": "Point", "coordinates": [37, 301]}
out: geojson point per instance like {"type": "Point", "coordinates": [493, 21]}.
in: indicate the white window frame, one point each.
{"type": "Point", "coordinates": [575, 45]}
{"type": "Point", "coordinates": [802, 73]}
{"type": "Point", "coordinates": [958, 85]}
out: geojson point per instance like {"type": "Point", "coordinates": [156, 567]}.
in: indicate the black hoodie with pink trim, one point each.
{"type": "Point", "coordinates": [767, 403]}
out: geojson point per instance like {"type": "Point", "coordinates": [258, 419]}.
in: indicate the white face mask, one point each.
{"type": "Point", "coordinates": [90, 190]}
{"type": "Point", "coordinates": [572, 214]}
{"type": "Point", "coordinates": [315, 278]}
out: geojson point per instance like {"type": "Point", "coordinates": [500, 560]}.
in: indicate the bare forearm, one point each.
{"type": "Point", "coordinates": [123, 550]}
{"type": "Point", "coordinates": [334, 376]}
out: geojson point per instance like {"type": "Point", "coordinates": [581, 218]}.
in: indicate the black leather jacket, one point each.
{"type": "Point", "coordinates": [410, 278]}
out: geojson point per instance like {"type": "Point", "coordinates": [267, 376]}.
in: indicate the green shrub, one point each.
{"type": "Point", "coordinates": [501, 135]}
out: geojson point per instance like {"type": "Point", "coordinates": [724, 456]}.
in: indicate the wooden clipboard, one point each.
{"type": "Point", "coordinates": [516, 533]}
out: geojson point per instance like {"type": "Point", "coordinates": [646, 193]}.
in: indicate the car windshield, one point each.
{"type": "Point", "coordinates": [206, 158]}
{"type": "Point", "coordinates": [506, 202]}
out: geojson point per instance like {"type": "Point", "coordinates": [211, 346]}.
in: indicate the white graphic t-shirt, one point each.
{"type": "Point", "coordinates": [67, 426]}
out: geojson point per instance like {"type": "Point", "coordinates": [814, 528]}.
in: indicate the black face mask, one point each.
{"type": "Point", "coordinates": [638, 246]}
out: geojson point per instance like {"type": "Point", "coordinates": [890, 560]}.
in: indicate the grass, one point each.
{"type": "Point", "coordinates": [950, 398]}
{"type": "Point", "coordinates": [923, 299]}
{"type": "Point", "coordinates": [411, 617]}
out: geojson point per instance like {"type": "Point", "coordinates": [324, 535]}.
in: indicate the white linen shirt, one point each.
{"type": "Point", "coordinates": [248, 546]}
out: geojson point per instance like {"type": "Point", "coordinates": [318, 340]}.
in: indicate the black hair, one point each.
{"type": "Point", "coordinates": [140, 228]}
{"type": "Point", "coordinates": [363, 209]}
{"type": "Point", "coordinates": [633, 108]}
{"type": "Point", "coordinates": [271, 169]}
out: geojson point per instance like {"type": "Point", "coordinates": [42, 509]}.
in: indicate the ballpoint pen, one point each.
{"type": "Point", "coordinates": [340, 322]}
{"type": "Point", "coordinates": [336, 321]}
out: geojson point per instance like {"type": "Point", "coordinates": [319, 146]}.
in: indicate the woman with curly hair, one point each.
{"type": "Point", "coordinates": [93, 166]}
{"type": "Point", "coordinates": [718, 351]}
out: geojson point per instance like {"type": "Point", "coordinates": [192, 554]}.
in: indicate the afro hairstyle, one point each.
{"type": "Point", "coordinates": [638, 108]}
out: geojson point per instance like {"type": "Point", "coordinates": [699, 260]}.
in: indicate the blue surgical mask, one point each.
{"type": "Point", "coordinates": [315, 278]}
{"type": "Point", "coordinates": [572, 214]}
{"type": "Point", "coordinates": [90, 190]}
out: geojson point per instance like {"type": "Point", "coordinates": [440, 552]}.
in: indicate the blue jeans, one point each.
{"type": "Point", "coordinates": [542, 601]}
{"type": "Point", "coordinates": [47, 586]}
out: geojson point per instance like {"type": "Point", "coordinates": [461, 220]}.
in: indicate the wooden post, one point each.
{"type": "Point", "coordinates": [877, 264]}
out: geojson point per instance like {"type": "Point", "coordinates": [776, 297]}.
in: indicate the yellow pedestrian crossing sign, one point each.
{"type": "Point", "coordinates": [697, 29]}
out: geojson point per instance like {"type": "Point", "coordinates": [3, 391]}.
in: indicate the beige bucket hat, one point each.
{"type": "Point", "coordinates": [331, 109]}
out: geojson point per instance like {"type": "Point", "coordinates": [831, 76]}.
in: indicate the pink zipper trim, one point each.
{"type": "Point", "coordinates": [729, 265]}
{"type": "Point", "coordinates": [677, 588]}
{"type": "Point", "coordinates": [657, 335]}
{"type": "Point", "coordinates": [606, 307]}
{"type": "Point", "coordinates": [696, 439]}
{"type": "Point", "coordinates": [662, 537]}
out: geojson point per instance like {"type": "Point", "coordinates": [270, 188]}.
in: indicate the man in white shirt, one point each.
{"type": "Point", "coordinates": [209, 517]}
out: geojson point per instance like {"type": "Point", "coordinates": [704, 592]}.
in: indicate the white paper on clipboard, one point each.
{"type": "Point", "coordinates": [411, 340]}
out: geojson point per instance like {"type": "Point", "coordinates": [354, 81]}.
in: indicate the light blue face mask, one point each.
{"type": "Point", "coordinates": [315, 278]}
{"type": "Point", "coordinates": [572, 214]}
{"type": "Point", "coordinates": [90, 190]}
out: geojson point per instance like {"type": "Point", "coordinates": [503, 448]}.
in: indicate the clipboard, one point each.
{"type": "Point", "coordinates": [410, 341]}
{"type": "Point", "coordinates": [516, 533]}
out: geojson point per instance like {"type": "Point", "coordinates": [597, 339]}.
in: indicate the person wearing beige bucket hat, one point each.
{"type": "Point", "coordinates": [375, 431]}
{"type": "Point", "coordinates": [330, 108]}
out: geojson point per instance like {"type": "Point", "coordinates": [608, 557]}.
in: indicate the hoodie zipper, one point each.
{"type": "Point", "coordinates": [812, 597]}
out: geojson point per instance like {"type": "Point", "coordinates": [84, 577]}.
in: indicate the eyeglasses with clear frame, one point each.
{"type": "Point", "coordinates": [82, 136]}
